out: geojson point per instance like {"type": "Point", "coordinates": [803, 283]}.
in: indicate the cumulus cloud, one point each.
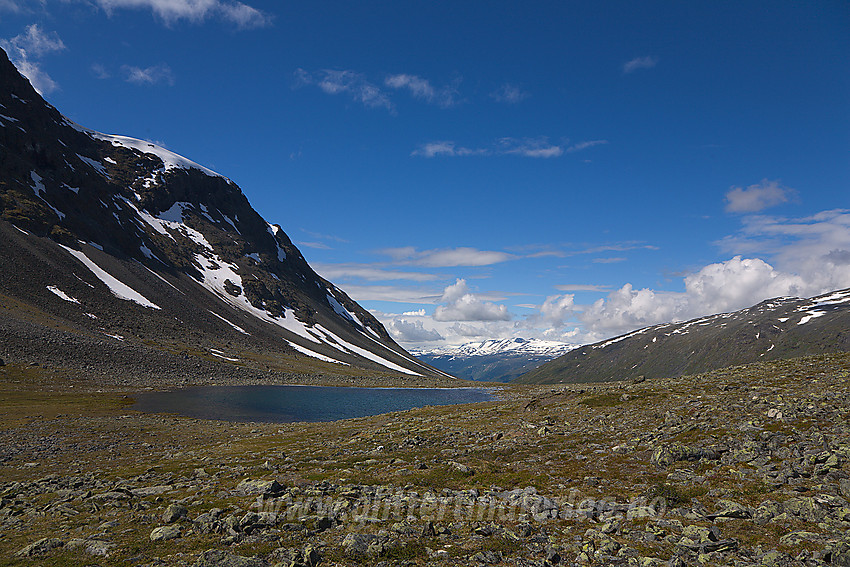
{"type": "Point", "coordinates": [26, 50]}
{"type": "Point", "coordinates": [646, 62]}
{"type": "Point", "coordinates": [171, 11]}
{"type": "Point", "coordinates": [757, 197]}
{"type": "Point", "coordinates": [812, 246]}
{"type": "Point", "coordinates": [412, 331]}
{"type": "Point", "coordinates": [557, 309]}
{"type": "Point", "coordinates": [446, 257]}
{"type": "Point", "coordinates": [510, 94]}
{"type": "Point", "coordinates": [156, 74]}
{"type": "Point", "coordinates": [347, 82]}
{"type": "Point", "coordinates": [717, 288]}
{"type": "Point", "coordinates": [460, 304]}
{"type": "Point", "coordinates": [422, 89]}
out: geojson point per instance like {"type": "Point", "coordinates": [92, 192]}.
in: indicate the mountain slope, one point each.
{"type": "Point", "coordinates": [493, 360]}
{"type": "Point", "coordinates": [775, 329]}
{"type": "Point", "coordinates": [112, 236]}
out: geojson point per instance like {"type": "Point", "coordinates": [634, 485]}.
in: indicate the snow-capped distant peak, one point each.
{"type": "Point", "coordinates": [511, 346]}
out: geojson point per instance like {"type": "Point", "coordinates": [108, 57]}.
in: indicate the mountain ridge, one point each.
{"type": "Point", "coordinates": [148, 236]}
{"type": "Point", "coordinates": [774, 329]}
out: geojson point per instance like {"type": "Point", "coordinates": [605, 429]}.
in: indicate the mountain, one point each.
{"type": "Point", "coordinates": [493, 360]}
{"type": "Point", "coordinates": [775, 329]}
{"type": "Point", "coordinates": [116, 244]}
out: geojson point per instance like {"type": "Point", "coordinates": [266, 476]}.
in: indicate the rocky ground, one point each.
{"type": "Point", "coordinates": [745, 466]}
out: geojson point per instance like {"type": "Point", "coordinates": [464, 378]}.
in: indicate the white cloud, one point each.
{"type": "Point", "coordinates": [557, 309]}
{"type": "Point", "coordinates": [412, 331]}
{"type": "Point", "coordinates": [152, 75]}
{"type": "Point", "coordinates": [446, 148]}
{"type": "Point", "coordinates": [757, 197]}
{"type": "Point", "coordinates": [608, 260]}
{"type": "Point", "coordinates": [529, 147]}
{"type": "Point", "coordinates": [393, 294]}
{"type": "Point", "coordinates": [315, 245]}
{"type": "Point", "coordinates": [626, 309]}
{"type": "Point", "coordinates": [10, 6]}
{"type": "Point", "coordinates": [171, 11]}
{"type": "Point", "coordinates": [813, 247]}
{"type": "Point", "coordinates": [647, 62]}
{"type": "Point", "coordinates": [470, 331]}
{"type": "Point", "coordinates": [446, 257]}
{"type": "Point", "coordinates": [351, 83]}
{"type": "Point", "coordinates": [371, 272]}
{"type": "Point", "coordinates": [459, 304]}
{"type": "Point", "coordinates": [100, 71]}
{"type": "Point", "coordinates": [584, 145]}
{"type": "Point", "coordinates": [583, 287]}
{"type": "Point", "coordinates": [539, 147]}
{"type": "Point", "coordinates": [25, 51]}
{"type": "Point", "coordinates": [244, 16]}
{"type": "Point", "coordinates": [510, 94]}
{"type": "Point", "coordinates": [422, 89]}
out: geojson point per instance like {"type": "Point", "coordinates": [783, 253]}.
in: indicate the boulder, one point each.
{"type": "Point", "coordinates": [165, 533]}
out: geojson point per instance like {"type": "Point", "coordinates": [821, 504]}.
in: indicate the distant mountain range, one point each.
{"type": "Point", "coordinates": [493, 360]}
{"type": "Point", "coordinates": [111, 241]}
{"type": "Point", "coordinates": [779, 328]}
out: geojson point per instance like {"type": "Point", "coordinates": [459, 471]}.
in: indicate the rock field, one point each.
{"type": "Point", "coordinates": [744, 466]}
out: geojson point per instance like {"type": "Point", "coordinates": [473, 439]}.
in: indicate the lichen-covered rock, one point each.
{"type": "Point", "coordinates": [253, 487]}
{"type": "Point", "coordinates": [174, 512]}
{"type": "Point", "coordinates": [165, 533]}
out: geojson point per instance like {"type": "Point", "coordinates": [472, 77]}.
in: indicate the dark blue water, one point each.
{"type": "Point", "coordinates": [284, 404]}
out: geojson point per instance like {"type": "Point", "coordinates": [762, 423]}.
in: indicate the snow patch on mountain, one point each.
{"type": "Point", "coordinates": [62, 295]}
{"type": "Point", "coordinates": [118, 288]}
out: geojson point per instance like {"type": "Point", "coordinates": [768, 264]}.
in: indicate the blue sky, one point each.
{"type": "Point", "coordinates": [475, 170]}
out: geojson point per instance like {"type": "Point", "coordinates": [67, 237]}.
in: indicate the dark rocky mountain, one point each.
{"type": "Point", "coordinates": [498, 360]}
{"type": "Point", "coordinates": [775, 329]}
{"type": "Point", "coordinates": [116, 251]}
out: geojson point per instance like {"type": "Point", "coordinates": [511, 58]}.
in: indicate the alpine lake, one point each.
{"type": "Point", "coordinates": [286, 404]}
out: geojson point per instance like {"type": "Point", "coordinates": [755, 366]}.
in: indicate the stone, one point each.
{"type": "Point", "coordinates": [173, 513]}
{"type": "Point", "coordinates": [844, 487]}
{"type": "Point", "coordinates": [249, 487]}
{"type": "Point", "coordinates": [41, 546]}
{"type": "Point", "coordinates": [766, 511]}
{"type": "Point", "coordinates": [355, 545]}
{"type": "Point", "coordinates": [732, 510]}
{"type": "Point", "coordinates": [165, 533]}
{"type": "Point", "coordinates": [796, 538]}
{"type": "Point", "coordinates": [311, 555]}
{"type": "Point", "coordinates": [697, 534]}
{"type": "Point", "coordinates": [151, 490]}
{"type": "Point", "coordinates": [220, 558]}
{"type": "Point", "coordinates": [95, 547]}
